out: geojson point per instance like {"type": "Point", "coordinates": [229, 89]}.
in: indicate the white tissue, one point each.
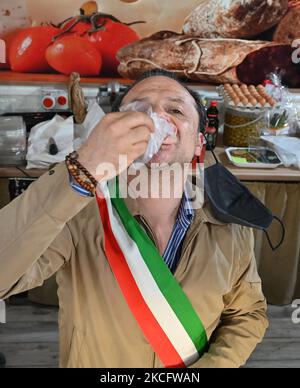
{"type": "Point", "coordinates": [163, 129]}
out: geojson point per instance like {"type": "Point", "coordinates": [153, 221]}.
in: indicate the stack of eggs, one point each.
{"type": "Point", "coordinates": [247, 96]}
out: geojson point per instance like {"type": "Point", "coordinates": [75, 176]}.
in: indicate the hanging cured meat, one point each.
{"type": "Point", "coordinates": [209, 60]}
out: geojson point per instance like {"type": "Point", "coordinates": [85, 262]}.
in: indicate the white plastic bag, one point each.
{"type": "Point", "coordinates": [283, 117]}
{"type": "Point", "coordinates": [61, 131]}
{"type": "Point", "coordinates": [162, 129]}
{"type": "Point", "coordinates": [287, 148]}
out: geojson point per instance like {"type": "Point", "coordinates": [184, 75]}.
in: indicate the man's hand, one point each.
{"type": "Point", "coordinates": [121, 133]}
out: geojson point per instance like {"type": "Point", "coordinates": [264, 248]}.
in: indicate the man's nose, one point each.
{"type": "Point", "coordinates": [161, 113]}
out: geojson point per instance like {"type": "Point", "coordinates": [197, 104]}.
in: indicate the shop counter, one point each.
{"type": "Point", "coordinates": [279, 174]}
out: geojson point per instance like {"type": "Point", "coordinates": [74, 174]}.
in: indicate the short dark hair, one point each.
{"type": "Point", "coordinates": [164, 73]}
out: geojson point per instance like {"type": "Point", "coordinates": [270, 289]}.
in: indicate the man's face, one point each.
{"type": "Point", "coordinates": [171, 101]}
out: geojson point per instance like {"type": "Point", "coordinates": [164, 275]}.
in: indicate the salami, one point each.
{"type": "Point", "coordinates": [209, 60]}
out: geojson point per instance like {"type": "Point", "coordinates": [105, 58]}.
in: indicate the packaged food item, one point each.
{"type": "Point", "coordinates": [278, 121]}
{"type": "Point", "coordinates": [251, 111]}
{"type": "Point", "coordinates": [248, 96]}
{"type": "Point", "coordinates": [283, 117]}
{"type": "Point", "coordinates": [245, 115]}
{"type": "Point", "coordinates": [261, 157]}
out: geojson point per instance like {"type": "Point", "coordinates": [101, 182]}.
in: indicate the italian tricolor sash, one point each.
{"type": "Point", "coordinates": [156, 300]}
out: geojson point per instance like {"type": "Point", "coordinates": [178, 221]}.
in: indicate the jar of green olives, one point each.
{"type": "Point", "coordinates": [240, 126]}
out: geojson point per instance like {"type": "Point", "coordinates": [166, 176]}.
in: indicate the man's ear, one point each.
{"type": "Point", "coordinates": [199, 144]}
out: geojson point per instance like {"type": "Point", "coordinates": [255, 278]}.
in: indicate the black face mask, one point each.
{"type": "Point", "coordinates": [232, 202]}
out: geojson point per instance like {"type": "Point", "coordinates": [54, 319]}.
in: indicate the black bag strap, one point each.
{"type": "Point", "coordinates": [282, 235]}
{"type": "Point", "coordinates": [212, 151]}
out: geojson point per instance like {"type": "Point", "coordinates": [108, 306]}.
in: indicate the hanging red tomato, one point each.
{"type": "Point", "coordinates": [104, 31]}
{"type": "Point", "coordinates": [72, 53]}
{"type": "Point", "coordinates": [27, 50]}
{"type": "Point", "coordinates": [109, 40]}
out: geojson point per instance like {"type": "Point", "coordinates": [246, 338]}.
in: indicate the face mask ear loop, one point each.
{"type": "Point", "coordinates": [282, 235]}
{"type": "Point", "coordinates": [194, 180]}
{"type": "Point", "coordinates": [199, 163]}
{"type": "Point", "coordinates": [212, 151]}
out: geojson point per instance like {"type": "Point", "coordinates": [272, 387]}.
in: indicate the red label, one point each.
{"type": "Point", "coordinates": [211, 130]}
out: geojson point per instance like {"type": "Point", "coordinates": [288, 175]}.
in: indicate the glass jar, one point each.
{"type": "Point", "coordinates": [241, 125]}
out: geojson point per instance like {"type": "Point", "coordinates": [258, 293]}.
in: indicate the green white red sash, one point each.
{"type": "Point", "coordinates": [153, 295]}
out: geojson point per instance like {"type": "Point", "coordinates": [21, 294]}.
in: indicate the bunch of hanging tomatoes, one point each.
{"type": "Point", "coordinates": [86, 44]}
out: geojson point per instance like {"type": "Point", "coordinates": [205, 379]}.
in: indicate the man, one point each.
{"type": "Point", "coordinates": [53, 228]}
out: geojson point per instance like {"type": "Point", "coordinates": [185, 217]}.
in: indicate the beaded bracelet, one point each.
{"type": "Point", "coordinates": [76, 169]}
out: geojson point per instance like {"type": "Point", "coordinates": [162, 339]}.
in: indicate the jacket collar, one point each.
{"type": "Point", "coordinates": [203, 214]}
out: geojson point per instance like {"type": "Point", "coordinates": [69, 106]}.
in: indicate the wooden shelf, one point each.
{"type": "Point", "coordinates": [10, 77]}
{"type": "Point", "coordinates": [278, 174]}
{"type": "Point", "coordinates": [30, 78]}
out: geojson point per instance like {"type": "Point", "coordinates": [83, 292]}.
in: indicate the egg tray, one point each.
{"type": "Point", "coordinates": [246, 97]}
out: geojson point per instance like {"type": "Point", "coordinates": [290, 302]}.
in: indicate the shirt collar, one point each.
{"type": "Point", "coordinates": [186, 212]}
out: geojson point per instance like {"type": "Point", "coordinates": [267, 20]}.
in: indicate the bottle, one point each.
{"type": "Point", "coordinates": [211, 131]}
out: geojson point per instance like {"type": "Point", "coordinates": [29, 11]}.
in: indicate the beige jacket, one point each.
{"type": "Point", "coordinates": [52, 229]}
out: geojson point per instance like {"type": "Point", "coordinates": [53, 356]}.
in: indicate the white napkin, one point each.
{"type": "Point", "coordinates": [287, 148]}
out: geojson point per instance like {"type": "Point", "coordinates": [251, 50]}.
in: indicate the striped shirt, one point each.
{"type": "Point", "coordinates": [184, 218]}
